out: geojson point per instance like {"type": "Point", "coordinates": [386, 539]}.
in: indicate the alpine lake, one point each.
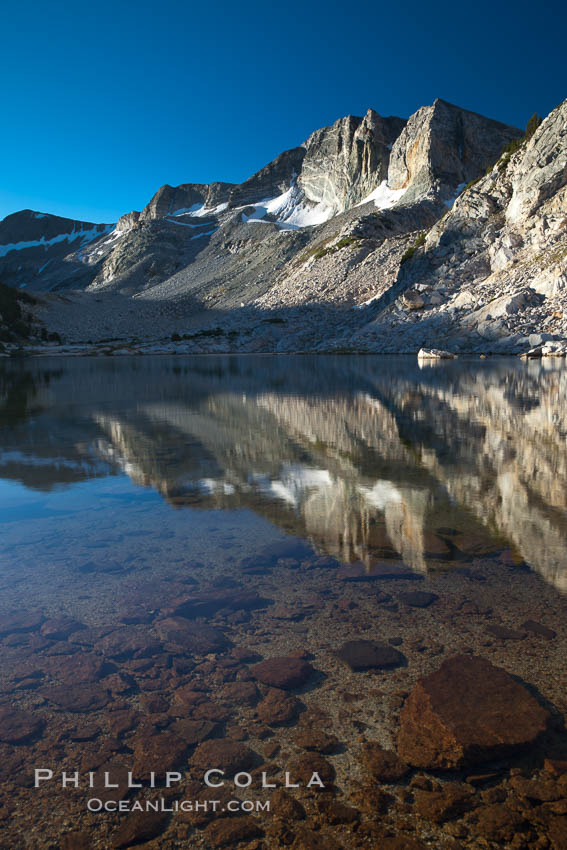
{"type": "Point", "coordinates": [337, 582]}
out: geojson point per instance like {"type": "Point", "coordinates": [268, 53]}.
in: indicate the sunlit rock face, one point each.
{"type": "Point", "coordinates": [497, 259]}
{"type": "Point", "coordinates": [344, 163]}
{"type": "Point", "coordinates": [369, 463]}
{"type": "Point", "coordinates": [443, 146]}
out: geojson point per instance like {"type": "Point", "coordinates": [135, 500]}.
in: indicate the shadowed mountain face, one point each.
{"type": "Point", "coordinates": [34, 244]}
{"type": "Point", "coordinates": [373, 461]}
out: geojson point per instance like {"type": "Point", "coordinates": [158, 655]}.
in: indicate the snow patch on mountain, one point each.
{"type": "Point", "coordinates": [201, 211]}
{"type": "Point", "coordinates": [104, 246]}
{"type": "Point", "coordinates": [85, 236]}
{"type": "Point", "coordinates": [384, 198]}
{"type": "Point", "coordinates": [289, 210]}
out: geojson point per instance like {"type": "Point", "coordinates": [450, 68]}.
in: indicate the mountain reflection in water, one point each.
{"type": "Point", "coordinates": [370, 459]}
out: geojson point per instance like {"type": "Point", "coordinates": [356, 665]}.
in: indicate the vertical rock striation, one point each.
{"type": "Point", "coordinates": [345, 162]}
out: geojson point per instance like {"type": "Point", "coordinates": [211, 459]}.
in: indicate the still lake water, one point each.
{"type": "Point", "coordinates": [276, 499]}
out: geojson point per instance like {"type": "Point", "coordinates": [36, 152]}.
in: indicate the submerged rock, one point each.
{"type": "Point", "coordinates": [316, 740]}
{"type": "Point", "coordinates": [78, 669]}
{"type": "Point", "coordinates": [139, 827]}
{"type": "Point", "coordinates": [129, 642]}
{"type": "Point", "coordinates": [285, 806]}
{"type": "Point", "coordinates": [504, 633]}
{"type": "Point", "coordinates": [451, 801]}
{"type": "Point", "coordinates": [278, 708]}
{"type": "Point", "coordinates": [466, 712]}
{"type": "Point", "coordinates": [224, 754]}
{"type": "Point", "coordinates": [209, 603]}
{"type": "Point", "coordinates": [59, 628]}
{"type": "Point", "coordinates": [367, 655]}
{"type": "Point", "coordinates": [77, 698]}
{"type": "Point", "coordinates": [155, 752]}
{"type": "Point", "coordinates": [244, 693]}
{"type": "Point", "coordinates": [17, 726]}
{"type": "Point", "coordinates": [191, 637]}
{"type": "Point", "coordinates": [383, 765]}
{"type": "Point", "coordinates": [284, 672]}
{"type": "Point", "coordinates": [418, 598]}
{"type": "Point", "coordinates": [539, 629]}
{"type": "Point", "coordinates": [379, 570]}
{"type": "Point", "coordinates": [302, 769]}
{"type": "Point", "coordinates": [20, 621]}
{"type": "Point", "coordinates": [193, 731]}
{"type": "Point", "coordinates": [75, 840]}
{"type": "Point", "coordinates": [225, 832]}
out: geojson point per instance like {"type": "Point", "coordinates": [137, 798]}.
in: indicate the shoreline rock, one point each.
{"type": "Point", "coordinates": [435, 354]}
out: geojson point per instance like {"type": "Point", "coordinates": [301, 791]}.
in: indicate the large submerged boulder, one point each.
{"type": "Point", "coordinates": [467, 712]}
{"type": "Point", "coordinates": [284, 672]}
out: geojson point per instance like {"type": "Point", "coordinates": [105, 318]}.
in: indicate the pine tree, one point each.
{"type": "Point", "coordinates": [532, 125]}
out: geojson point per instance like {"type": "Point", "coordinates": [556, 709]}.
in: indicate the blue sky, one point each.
{"type": "Point", "coordinates": [104, 102]}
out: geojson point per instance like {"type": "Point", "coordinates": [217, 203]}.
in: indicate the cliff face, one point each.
{"type": "Point", "coordinates": [443, 147]}
{"type": "Point", "coordinates": [170, 200]}
{"type": "Point", "coordinates": [344, 163]}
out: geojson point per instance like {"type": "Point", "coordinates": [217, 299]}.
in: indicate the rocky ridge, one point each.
{"type": "Point", "coordinates": [376, 234]}
{"type": "Point", "coordinates": [492, 272]}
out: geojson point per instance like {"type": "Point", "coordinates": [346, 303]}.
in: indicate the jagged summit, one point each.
{"type": "Point", "coordinates": [443, 147]}
{"type": "Point", "coordinates": [345, 162]}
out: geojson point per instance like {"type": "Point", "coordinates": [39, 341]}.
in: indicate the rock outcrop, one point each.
{"type": "Point", "coordinates": [435, 354]}
{"type": "Point", "coordinates": [270, 181]}
{"type": "Point", "coordinates": [493, 270]}
{"type": "Point", "coordinates": [442, 147]}
{"type": "Point", "coordinates": [170, 200]}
